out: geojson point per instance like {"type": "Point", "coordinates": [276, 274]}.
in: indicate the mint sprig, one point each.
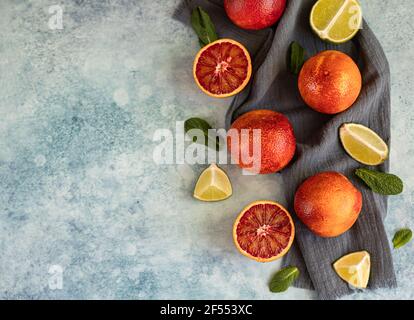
{"type": "Point", "coordinates": [203, 26]}
{"type": "Point", "coordinates": [204, 126]}
{"type": "Point", "coordinates": [283, 279]}
{"type": "Point", "coordinates": [402, 237]}
{"type": "Point", "coordinates": [380, 182]}
{"type": "Point", "coordinates": [296, 57]}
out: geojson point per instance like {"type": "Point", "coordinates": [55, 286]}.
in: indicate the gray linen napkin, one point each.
{"type": "Point", "coordinates": [318, 147]}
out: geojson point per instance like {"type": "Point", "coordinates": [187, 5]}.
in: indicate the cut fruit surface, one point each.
{"type": "Point", "coordinates": [336, 21]}
{"type": "Point", "coordinates": [213, 185]}
{"type": "Point", "coordinates": [363, 144]}
{"type": "Point", "coordinates": [264, 231]}
{"type": "Point", "coordinates": [222, 68]}
{"type": "Point", "coordinates": [354, 268]}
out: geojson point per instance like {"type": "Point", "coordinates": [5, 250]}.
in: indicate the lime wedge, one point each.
{"type": "Point", "coordinates": [336, 21]}
{"type": "Point", "coordinates": [354, 268]}
{"type": "Point", "coordinates": [363, 144]}
{"type": "Point", "coordinates": [213, 185]}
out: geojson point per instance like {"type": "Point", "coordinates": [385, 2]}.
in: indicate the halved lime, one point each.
{"type": "Point", "coordinates": [336, 21]}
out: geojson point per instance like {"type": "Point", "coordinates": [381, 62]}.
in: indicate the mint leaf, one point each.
{"type": "Point", "coordinates": [204, 126]}
{"type": "Point", "coordinates": [380, 182]}
{"type": "Point", "coordinates": [402, 237]}
{"type": "Point", "coordinates": [296, 57]}
{"type": "Point", "coordinates": [283, 279]}
{"type": "Point", "coordinates": [203, 26]}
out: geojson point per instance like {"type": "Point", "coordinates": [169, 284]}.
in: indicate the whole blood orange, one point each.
{"type": "Point", "coordinates": [330, 82]}
{"type": "Point", "coordinates": [222, 68]}
{"type": "Point", "coordinates": [264, 231]}
{"type": "Point", "coordinates": [254, 14]}
{"type": "Point", "coordinates": [328, 204]}
{"type": "Point", "coordinates": [276, 140]}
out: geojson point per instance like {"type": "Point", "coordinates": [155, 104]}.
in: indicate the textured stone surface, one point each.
{"type": "Point", "coordinates": [78, 185]}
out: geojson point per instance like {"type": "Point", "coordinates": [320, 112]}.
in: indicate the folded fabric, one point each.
{"type": "Point", "coordinates": [318, 147]}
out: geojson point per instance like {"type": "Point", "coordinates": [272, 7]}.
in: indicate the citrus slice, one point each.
{"type": "Point", "coordinates": [264, 231]}
{"type": "Point", "coordinates": [336, 21]}
{"type": "Point", "coordinates": [213, 185]}
{"type": "Point", "coordinates": [363, 144]}
{"type": "Point", "coordinates": [222, 68]}
{"type": "Point", "coordinates": [354, 268]}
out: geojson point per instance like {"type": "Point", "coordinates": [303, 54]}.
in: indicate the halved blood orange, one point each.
{"type": "Point", "coordinates": [264, 231]}
{"type": "Point", "coordinates": [222, 68]}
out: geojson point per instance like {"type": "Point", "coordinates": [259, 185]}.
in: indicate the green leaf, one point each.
{"type": "Point", "coordinates": [402, 237]}
{"type": "Point", "coordinates": [203, 26]}
{"type": "Point", "coordinates": [296, 57]}
{"type": "Point", "coordinates": [204, 126]}
{"type": "Point", "coordinates": [201, 43]}
{"type": "Point", "coordinates": [380, 182]}
{"type": "Point", "coordinates": [283, 279]}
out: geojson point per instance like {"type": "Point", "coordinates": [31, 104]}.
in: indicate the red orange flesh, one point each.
{"type": "Point", "coordinates": [264, 231]}
{"type": "Point", "coordinates": [223, 68]}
